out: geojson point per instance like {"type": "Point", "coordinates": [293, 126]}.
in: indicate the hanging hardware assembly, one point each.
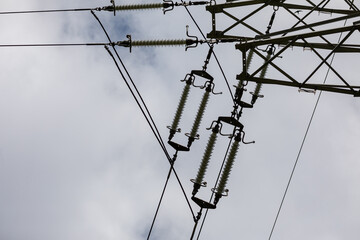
{"type": "Point", "coordinates": [199, 180]}
{"type": "Point", "coordinates": [190, 81]}
{"type": "Point", "coordinates": [270, 50]}
{"type": "Point", "coordinates": [209, 88]}
{"type": "Point", "coordinates": [239, 134]}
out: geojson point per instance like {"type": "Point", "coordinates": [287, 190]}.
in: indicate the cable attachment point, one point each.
{"type": "Point", "coordinates": [219, 194]}
{"type": "Point", "coordinates": [126, 43]}
{"type": "Point", "coordinates": [202, 203]}
{"type": "Point", "coordinates": [203, 74]}
{"type": "Point", "coordinates": [210, 86]}
{"type": "Point", "coordinates": [189, 42]}
{"type": "Point", "coordinates": [243, 141]}
{"type": "Point", "coordinates": [231, 121]}
{"type": "Point", "coordinates": [239, 92]}
{"type": "Point", "coordinates": [173, 131]}
{"type": "Point", "coordinates": [130, 41]}
{"type": "Point", "coordinates": [168, 4]}
{"type": "Point", "coordinates": [197, 186]}
{"type": "Point", "coordinates": [113, 5]}
{"type": "Point", "coordinates": [207, 60]}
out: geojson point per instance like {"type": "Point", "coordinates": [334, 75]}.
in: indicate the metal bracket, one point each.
{"type": "Point", "coordinates": [202, 203]}
{"type": "Point", "coordinates": [225, 193]}
{"type": "Point", "coordinates": [168, 4]}
{"type": "Point", "coordinates": [113, 5]}
{"type": "Point", "coordinates": [243, 137]}
{"type": "Point", "coordinates": [195, 39]}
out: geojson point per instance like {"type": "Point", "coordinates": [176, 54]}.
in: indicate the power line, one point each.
{"type": "Point", "coordinates": [53, 45]}
{"type": "Point", "coordinates": [302, 145]}
{"type": "Point", "coordinates": [48, 11]}
{"type": "Point", "coordinates": [162, 194]}
{"type": "Point", "coordinates": [150, 121]}
{"type": "Point", "coordinates": [298, 156]}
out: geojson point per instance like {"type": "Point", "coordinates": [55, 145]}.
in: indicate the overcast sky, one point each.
{"type": "Point", "coordinates": [78, 160]}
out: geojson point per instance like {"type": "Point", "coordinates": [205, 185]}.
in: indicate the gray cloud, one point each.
{"type": "Point", "coordinates": [77, 159]}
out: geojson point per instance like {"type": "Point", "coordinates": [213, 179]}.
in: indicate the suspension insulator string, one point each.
{"type": "Point", "coordinates": [255, 94]}
{"type": "Point", "coordinates": [220, 190]}
{"type": "Point", "coordinates": [270, 51]}
{"type": "Point", "coordinates": [180, 108]}
{"type": "Point", "coordinates": [148, 43]}
{"type": "Point", "coordinates": [193, 134]}
{"type": "Point", "coordinates": [165, 5]}
{"type": "Point", "coordinates": [135, 7]}
{"type": "Point", "coordinates": [198, 181]}
{"type": "Point", "coordinates": [249, 59]}
{"type": "Point", "coordinates": [154, 43]}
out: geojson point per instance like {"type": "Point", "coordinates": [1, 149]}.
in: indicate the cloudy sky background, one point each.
{"type": "Point", "coordinates": [78, 160]}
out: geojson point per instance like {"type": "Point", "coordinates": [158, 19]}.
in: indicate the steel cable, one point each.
{"type": "Point", "coordinates": [301, 146]}
{"type": "Point", "coordinates": [151, 122]}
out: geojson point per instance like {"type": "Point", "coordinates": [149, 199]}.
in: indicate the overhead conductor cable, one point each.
{"type": "Point", "coordinates": [167, 5]}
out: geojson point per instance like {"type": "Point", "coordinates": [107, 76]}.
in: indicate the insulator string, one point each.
{"type": "Point", "coordinates": [148, 43]}
{"type": "Point", "coordinates": [262, 75]}
{"type": "Point", "coordinates": [199, 116]}
{"type": "Point", "coordinates": [227, 169]}
{"type": "Point", "coordinates": [205, 160]}
{"type": "Point", "coordinates": [180, 109]}
{"type": "Point", "coordinates": [139, 6]}
{"type": "Point", "coordinates": [212, 194]}
{"type": "Point", "coordinates": [249, 59]}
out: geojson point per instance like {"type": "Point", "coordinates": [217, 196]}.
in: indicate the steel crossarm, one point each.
{"type": "Point", "coordinates": [218, 8]}
{"type": "Point", "coordinates": [287, 39]}
{"type": "Point", "coordinates": [323, 87]}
